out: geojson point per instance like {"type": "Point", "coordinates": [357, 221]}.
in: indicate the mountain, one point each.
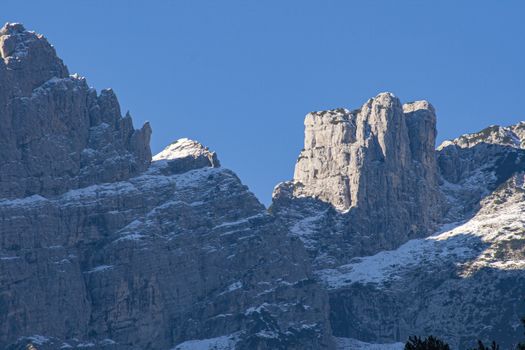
{"type": "Point", "coordinates": [369, 177]}
{"type": "Point", "coordinates": [377, 237]}
{"type": "Point", "coordinates": [101, 247]}
{"type": "Point", "coordinates": [437, 244]}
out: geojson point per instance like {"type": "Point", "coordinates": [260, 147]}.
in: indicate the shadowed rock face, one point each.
{"type": "Point", "coordinates": [57, 134]}
{"type": "Point", "coordinates": [463, 284]}
{"type": "Point", "coordinates": [101, 248]}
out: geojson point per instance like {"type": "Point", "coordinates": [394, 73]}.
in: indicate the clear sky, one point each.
{"type": "Point", "coordinates": [239, 76]}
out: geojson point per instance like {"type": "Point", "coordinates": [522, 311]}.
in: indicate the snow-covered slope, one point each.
{"type": "Point", "coordinates": [473, 245]}
{"type": "Point", "coordinates": [512, 136]}
{"type": "Point", "coordinates": [219, 343]}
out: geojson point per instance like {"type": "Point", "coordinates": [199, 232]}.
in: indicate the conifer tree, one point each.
{"type": "Point", "coordinates": [482, 346]}
{"type": "Point", "coordinates": [430, 343]}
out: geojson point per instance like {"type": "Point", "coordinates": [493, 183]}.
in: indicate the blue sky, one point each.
{"type": "Point", "coordinates": [239, 76]}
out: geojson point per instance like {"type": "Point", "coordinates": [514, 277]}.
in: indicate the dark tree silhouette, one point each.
{"type": "Point", "coordinates": [521, 346]}
{"type": "Point", "coordinates": [430, 343]}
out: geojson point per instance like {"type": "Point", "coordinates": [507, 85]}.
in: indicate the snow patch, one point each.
{"type": "Point", "coordinates": [182, 148]}
{"type": "Point", "coordinates": [470, 243]}
{"type": "Point", "coordinates": [233, 287]}
{"type": "Point", "coordinates": [100, 268]}
{"type": "Point", "coordinates": [240, 222]}
{"type": "Point", "coordinates": [23, 202]}
{"type": "Point", "coordinates": [38, 339]}
{"type": "Point", "coordinates": [305, 228]}
{"type": "Point", "coordinates": [225, 342]}
{"type": "Point", "coordinates": [354, 344]}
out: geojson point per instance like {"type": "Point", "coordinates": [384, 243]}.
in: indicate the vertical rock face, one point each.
{"type": "Point", "coordinates": [377, 166]}
{"type": "Point", "coordinates": [28, 59]}
{"type": "Point", "coordinates": [57, 133]}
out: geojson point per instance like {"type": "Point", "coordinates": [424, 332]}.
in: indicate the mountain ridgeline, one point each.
{"type": "Point", "coordinates": [379, 236]}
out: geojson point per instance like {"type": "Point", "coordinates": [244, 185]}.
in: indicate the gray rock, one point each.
{"type": "Point", "coordinates": [512, 136]}
{"type": "Point", "coordinates": [184, 154]}
{"type": "Point", "coordinates": [376, 167]}
{"type": "Point", "coordinates": [157, 260]}
{"type": "Point", "coordinates": [57, 133]}
{"type": "Point", "coordinates": [377, 237]}
{"type": "Point", "coordinates": [462, 283]}
{"type": "Point", "coordinates": [474, 165]}
{"type": "Point", "coordinates": [101, 249]}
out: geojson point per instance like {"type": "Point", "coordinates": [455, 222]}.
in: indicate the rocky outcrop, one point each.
{"type": "Point", "coordinates": [462, 283]}
{"type": "Point", "coordinates": [511, 136]}
{"type": "Point", "coordinates": [350, 157]}
{"type": "Point", "coordinates": [473, 166]}
{"type": "Point", "coordinates": [376, 166]}
{"type": "Point", "coordinates": [57, 134]}
{"type": "Point", "coordinates": [186, 154]}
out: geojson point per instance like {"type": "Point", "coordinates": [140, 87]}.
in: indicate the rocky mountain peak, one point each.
{"type": "Point", "coordinates": [12, 28]}
{"type": "Point", "coordinates": [183, 148]}
{"type": "Point", "coordinates": [57, 133]}
{"type": "Point", "coordinates": [28, 58]}
{"type": "Point", "coordinates": [185, 154]}
{"type": "Point", "coordinates": [376, 166]}
{"type": "Point", "coordinates": [418, 105]}
{"type": "Point", "coordinates": [340, 145]}
{"type": "Point", "coordinates": [512, 136]}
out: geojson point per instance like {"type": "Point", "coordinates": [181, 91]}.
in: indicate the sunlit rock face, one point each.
{"type": "Point", "coordinates": [350, 157]}
{"type": "Point", "coordinates": [376, 167]}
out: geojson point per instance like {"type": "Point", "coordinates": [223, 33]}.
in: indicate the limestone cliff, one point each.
{"type": "Point", "coordinates": [57, 133]}
{"type": "Point", "coordinates": [377, 167]}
